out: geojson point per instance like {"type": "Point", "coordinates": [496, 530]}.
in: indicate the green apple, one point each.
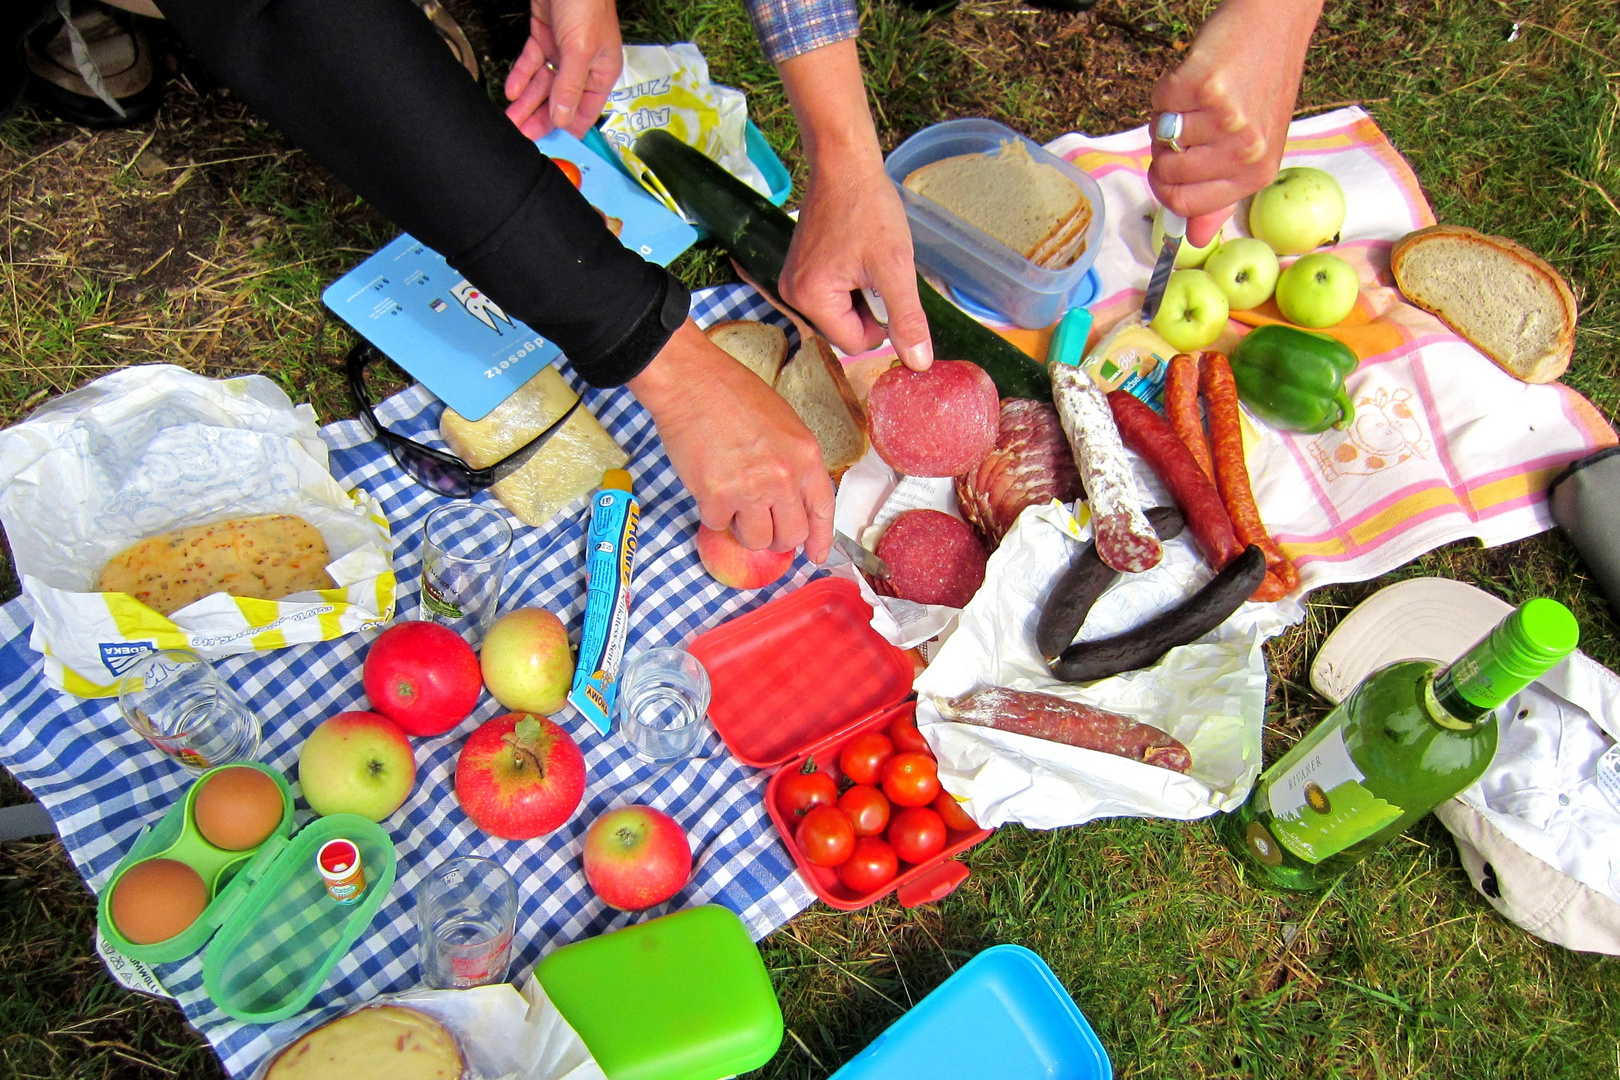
{"type": "Point", "coordinates": [526, 662]}
{"type": "Point", "coordinates": [1187, 256]}
{"type": "Point", "coordinates": [357, 763]}
{"type": "Point", "coordinates": [1193, 312]}
{"type": "Point", "coordinates": [1318, 290]}
{"type": "Point", "coordinates": [1246, 270]}
{"type": "Point", "coordinates": [1299, 211]}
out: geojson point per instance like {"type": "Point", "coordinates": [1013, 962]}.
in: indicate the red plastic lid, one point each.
{"type": "Point", "coordinates": [336, 856]}
{"type": "Point", "coordinates": [802, 667]}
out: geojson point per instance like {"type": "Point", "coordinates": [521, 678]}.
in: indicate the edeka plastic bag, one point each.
{"type": "Point", "coordinates": [156, 448]}
{"type": "Point", "coordinates": [1211, 694]}
{"type": "Point", "coordinates": [667, 86]}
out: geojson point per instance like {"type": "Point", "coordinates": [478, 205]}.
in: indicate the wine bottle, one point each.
{"type": "Point", "coordinates": [1410, 736]}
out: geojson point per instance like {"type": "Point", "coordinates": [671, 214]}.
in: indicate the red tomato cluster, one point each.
{"type": "Point", "coordinates": [892, 811]}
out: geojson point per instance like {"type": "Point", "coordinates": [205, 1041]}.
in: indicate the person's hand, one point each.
{"type": "Point", "coordinates": [742, 451]}
{"type": "Point", "coordinates": [852, 232]}
{"type": "Point", "coordinates": [567, 67]}
{"type": "Point", "coordinates": [1236, 91]}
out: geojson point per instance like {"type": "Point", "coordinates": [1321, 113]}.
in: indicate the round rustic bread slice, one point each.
{"type": "Point", "coordinates": [384, 1042]}
{"type": "Point", "coordinates": [1502, 297]}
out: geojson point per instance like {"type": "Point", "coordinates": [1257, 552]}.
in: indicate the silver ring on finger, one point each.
{"type": "Point", "coordinates": [1168, 128]}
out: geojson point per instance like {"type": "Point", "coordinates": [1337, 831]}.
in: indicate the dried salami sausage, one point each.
{"type": "Point", "coordinates": [939, 422]}
{"type": "Point", "coordinates": [1030, 465]}
{"type": "Point", "coordinates": [1055, 719]}
{"type": "Point", "coordinates": [1125, 540]}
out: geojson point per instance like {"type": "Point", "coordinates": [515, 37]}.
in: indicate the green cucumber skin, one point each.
{"type": "Point", "coordinates": [758, 234]}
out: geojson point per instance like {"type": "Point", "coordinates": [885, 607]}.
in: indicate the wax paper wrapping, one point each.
{"type": "Point", "coordinates": [155, 448]}
{"type": "Point", "coordinates": [1210, 695]}
{"type": "Point", "coordinates": [668, 87]}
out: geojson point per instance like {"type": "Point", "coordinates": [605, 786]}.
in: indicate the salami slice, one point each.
{"type": "Point", "coordinates": [1030, 464]}
{"type": "Point", "coordinates": [1125, 540]}
{"type": "Point", "coordinates": [1055, 719]}
{"type": "Point", "coordinates": [939, 422]}
{"type": "Point", "coordinates": [933, 558]}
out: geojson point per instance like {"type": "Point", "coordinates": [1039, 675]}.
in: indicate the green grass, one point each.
{"type": "Point", "coordinates": [1184, 969]}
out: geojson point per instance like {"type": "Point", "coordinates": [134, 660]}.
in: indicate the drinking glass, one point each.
{"type": "Point", "coordinates": [177, 701]}
{"type": "Point", "coordinates": [464, 548]}
{"type": "Point", "coordinates": [466, 911]}
{"type": "Point", "coordinates": [662, 704]}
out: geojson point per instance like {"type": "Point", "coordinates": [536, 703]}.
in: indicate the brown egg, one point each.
{"type": "Point", "coordinates": [157, 899]}
{"type": "Point", "coordinates": [237, 809]}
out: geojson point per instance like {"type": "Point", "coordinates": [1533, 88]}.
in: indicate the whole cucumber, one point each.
{"type": "Point", "coordinates": [1086, 661]}
{"type": "Point", "coordinates": [1080, 586]}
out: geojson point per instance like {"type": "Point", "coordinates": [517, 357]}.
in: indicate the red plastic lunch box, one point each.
{"type": "Point", "coordinates": [800, 677]}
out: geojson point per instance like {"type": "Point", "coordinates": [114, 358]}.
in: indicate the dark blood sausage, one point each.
{"type": "Point", "coordinates": [933, 558]}
{"type": "Point", "coordinates": [1232, 473]}
{"type": "Point", "coordinates": [1086, 579]}
{"type": "Point", "coordinates": [1030, 465]}
{"type": "Point", "coordinates": [1181, 408]}
{"type": "Point", "coordinates": [1190, 620]}
{"type": "Point", "coordinates": [1147, 433]}
{"type": "Point", "coordinates": [939, 422]}
{"type": "Point", "coordinates": [1046, 716]}
{"type": "Point", "coordinates": [1125, 541]}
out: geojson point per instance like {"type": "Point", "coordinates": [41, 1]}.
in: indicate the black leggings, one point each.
{"type": "Point", "coordinates": [367, 89]}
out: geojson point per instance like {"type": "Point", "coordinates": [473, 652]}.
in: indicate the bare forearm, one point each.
{"type": "Point", "coordinates": [824, 87]}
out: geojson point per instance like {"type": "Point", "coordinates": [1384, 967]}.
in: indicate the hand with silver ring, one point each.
{"type": "Point", "coordinates": [1168, 129]}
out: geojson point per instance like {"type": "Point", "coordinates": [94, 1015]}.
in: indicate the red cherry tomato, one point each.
{"type": "Point", "coordinates": [870, 866]}
{"type": "Point", "coordinates": [825, 836]}
{"type": "Point", "coordinates": [911, 779]}
{"type": "Point", "coordinates": [864, 756]}
{"type": "Point", "coordinates": [951, 813]}
{"type": "Point", "coordinates": [868, 810]}
{"type": "Point", "coordinates": [905, 736]}
{"type": "Point", "coordinates": [802, 790]}
{"type": "Point", "coordinates": [570, 170]}
{"type": "Point", "coordinates": [917, 834]}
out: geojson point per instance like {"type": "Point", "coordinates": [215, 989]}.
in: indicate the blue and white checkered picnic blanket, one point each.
{"type": "Point", "coordinates": [102, 783]}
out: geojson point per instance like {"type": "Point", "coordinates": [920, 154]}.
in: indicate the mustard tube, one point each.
{"type": "Point", "coordinates": [610, 554]}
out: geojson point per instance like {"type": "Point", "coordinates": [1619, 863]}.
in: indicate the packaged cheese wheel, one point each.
{"type": "Point", "coordinates": [382, 1042]}
{"type": "Point", "coordinates": [265, 557]}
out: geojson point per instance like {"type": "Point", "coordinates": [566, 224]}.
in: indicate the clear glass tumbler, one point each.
{"type": "Point", "coordinates": [177, 701]}
{"type": "Point", "coordinates": [466, 912]}
{"type": "Point", "coordinates": [662, 704]}
{"type": "Point", "coordinates": [464, 549]}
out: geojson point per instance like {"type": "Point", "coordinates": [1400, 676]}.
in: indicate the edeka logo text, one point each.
{"type": "Point", "coordinates": [119, 656]}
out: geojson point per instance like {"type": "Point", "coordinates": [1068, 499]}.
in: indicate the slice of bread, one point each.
{"type": "Point", "coordinates": [813, 382]}
{"type": "Point", "coordinates": [1508, 302]}
{"type": "Point", "coordinates": [758, 346]}
{"type": "Point", "coordinates": [1017, 200]}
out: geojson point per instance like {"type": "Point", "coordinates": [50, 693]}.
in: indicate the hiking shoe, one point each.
{"type": "Point", "coordinates": [95, 69]}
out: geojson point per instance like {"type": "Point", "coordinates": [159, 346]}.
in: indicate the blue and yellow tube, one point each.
{"type": "Point", "coordinates": [610, 554]}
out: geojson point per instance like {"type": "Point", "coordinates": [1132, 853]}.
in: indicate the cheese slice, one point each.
{"type": "Point", "coordinates": [265, 557]}
{"type": "Point", "coordinates": [384, 1042]}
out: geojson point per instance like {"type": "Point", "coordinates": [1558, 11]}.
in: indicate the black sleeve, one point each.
{"type": "Point", "coordinates": [367, 89]}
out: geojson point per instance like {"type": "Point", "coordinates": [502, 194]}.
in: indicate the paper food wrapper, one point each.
{"type": "Point", "coordinates": [1211, 695]}
{"type": "Point", "coordinates": [156, 448]}
{"type": "Point", "coordinates": [503, 1033]}
{"type": "Point", "coordinates": [667, 86]}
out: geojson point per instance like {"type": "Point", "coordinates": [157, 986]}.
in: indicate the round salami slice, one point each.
{"type": "Point", "coordinates": [933, 558]}
{"type": "Point", "coordinates": [939, 422]}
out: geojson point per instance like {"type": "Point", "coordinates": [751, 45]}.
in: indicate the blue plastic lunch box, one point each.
{"type": "Point", "coordinates": [1003, 1016]}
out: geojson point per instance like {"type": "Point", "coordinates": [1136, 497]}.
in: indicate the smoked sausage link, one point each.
{"type": "Point", "coordinates": [1055, 719]}
{"type": "Point", "coordinates": [1181, 408]}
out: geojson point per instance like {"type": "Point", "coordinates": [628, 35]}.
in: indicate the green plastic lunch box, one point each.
{"type": "Point", "coordinates": [272, 931]}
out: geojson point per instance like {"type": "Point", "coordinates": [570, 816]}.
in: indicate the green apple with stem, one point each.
{"type": "Point", "coordinates": [357, 763]}
{"type": "Point", "coordinates": [1246, 270]}
{"type": "Point", "coordinates": [1187, 256]}
{"type": "Point", "coordinates": [1317, 290]}
{"type": "Point", "coordinates": [1193, 312]}
{"type": "Point", "coordinates": [1299, 211]}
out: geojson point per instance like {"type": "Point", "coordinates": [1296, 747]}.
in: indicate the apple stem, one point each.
{"type": "Point", "coordinates": [522, 751]}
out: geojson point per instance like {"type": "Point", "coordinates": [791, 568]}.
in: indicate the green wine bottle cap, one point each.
{"type": "Point", "coordinates": [1522, 648]}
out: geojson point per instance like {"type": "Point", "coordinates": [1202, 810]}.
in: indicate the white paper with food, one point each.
{"type": "Point", "coordinates": [167, 485]}
{"type": "Point", "coordinates": [1210, 695]}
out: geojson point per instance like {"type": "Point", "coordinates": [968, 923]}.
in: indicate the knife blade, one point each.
{"type": "Point", "coordinates": [1175, 228]}
{"type": "Point", "coordinates": [859, 555]}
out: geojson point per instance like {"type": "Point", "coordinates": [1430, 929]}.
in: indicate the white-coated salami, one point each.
{"type": "Point", "coordinates": [939, 422]}
{"type": "Point", "coordinates": [1125, 540]}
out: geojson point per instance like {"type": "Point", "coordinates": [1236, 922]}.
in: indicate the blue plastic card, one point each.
{"type": "Point", "coordinates": [426, 317]}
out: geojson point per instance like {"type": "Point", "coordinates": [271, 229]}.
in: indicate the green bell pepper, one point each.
{"type": "Point", "coordinates": [1294, 379]}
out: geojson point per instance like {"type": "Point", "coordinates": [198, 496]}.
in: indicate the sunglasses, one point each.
{"type": "Point", "coordinates": [438, 470]}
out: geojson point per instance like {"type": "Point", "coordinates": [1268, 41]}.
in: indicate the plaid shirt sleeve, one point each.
{"type": "Point", "coordinates": [787, 28]}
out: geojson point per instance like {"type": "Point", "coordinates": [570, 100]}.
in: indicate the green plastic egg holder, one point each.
{"type": "Point", "coordinates": [276, 932]}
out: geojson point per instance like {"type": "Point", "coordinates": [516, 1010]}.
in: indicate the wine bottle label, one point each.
{"type": "Point", "coordinates": [1318, 804]}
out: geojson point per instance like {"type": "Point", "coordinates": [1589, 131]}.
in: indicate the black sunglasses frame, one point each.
{"type": "Point", "coordinates": [437, 470]}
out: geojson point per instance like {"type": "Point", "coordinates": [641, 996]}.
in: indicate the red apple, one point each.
{"type": "Point", "coordinates": [636, 857]}
{"type": "Point", "coordinates": [526, 661]}
{"type": "Point", "coordinates": [423, 677]}
{"type": "Point", "coordinates": [733, 565]}
{"type": "Point", "coordinates": [519, 776]}
{"type": "Point", "coordinates": [357, 763]}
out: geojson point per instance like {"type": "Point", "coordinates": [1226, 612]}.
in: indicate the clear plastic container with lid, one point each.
{"type": "Point", "coordinates": [973, 263]}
